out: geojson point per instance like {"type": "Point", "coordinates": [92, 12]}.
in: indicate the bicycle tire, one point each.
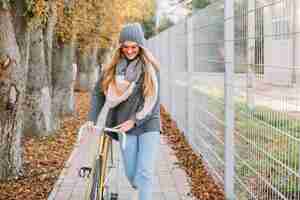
{"type": "Point", "coordinates": [95, 193]}
{"type": "Point", "coordinates": [107, 194]}
{"type": "Point", "coordinates": [107, 164]}
{"type": "Point", "coordinates": [101, 171]}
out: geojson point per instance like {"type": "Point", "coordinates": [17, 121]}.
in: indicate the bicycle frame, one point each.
{"type": "Point", "coordinates": [101, 169]}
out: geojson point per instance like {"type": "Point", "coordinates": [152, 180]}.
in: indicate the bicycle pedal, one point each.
{"type": "Point", "coordinates": [114, 196]}
{"type": "Point", "coordinates": [84, 172]}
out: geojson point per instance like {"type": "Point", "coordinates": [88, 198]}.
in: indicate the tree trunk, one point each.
{"type": "Point", "coordinates": [62, 73]}
{"type": "Point", "coordinates": [38, 116]}
{"type": "Point", "coordinates": [87, 67]}
{"type": "Point", "coordinates": [12, 87]}
{"type": "Point", "coordinates": [23, 40]}
{"type": "Point", "coordinates": [48, 37]}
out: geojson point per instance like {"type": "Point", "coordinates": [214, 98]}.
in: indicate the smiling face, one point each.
{"type": "Point", "coordinates": [130, 49]}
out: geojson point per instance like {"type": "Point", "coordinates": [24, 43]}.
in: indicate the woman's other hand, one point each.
{"type": "Point", "coordinates": [125, 126]}
{"type": "Point", "coordinates": [90, 127]}
{"type": "Point", "coordinates": [87, 128]}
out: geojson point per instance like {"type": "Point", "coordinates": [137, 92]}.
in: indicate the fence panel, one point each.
{"type": "Point", "coordinates": [267, 134]}
{"type": "Point", "coordinates": [266, 92]}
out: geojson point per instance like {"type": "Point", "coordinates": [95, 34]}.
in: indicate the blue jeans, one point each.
{"type": "Point", "coordinates": [139, 158]}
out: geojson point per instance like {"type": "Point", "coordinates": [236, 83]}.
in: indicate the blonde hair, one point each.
{"type": "Point", "coordinates": [110, 70]}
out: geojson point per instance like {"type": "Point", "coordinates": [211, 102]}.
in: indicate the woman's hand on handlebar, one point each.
{"type": "Point", "coordinates": [125, 126]}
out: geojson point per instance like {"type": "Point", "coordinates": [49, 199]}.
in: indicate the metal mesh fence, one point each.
{"type": "Point", "coordinates": [235, 64]}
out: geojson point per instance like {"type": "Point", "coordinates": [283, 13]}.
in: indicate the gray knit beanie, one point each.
{"type": "Point", "coordinates": [132, 32]}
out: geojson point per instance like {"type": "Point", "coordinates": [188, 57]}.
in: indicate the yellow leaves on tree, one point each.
{"type": "Point", "coordinates": [65, 22]}
{"type": "Point", "coordinates": [37, 12]}
{"type": "Point", "coordinates": [97, 23]}
{"type": "Point", "coordinates": [138, 10]}
{"type": "Point", "coordinates": [90, 23]}
{"type": "Point", "coordinates": [121, 12]}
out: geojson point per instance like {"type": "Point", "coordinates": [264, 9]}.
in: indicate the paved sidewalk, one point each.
{"type": "Point", "coordinates": [170, 181]}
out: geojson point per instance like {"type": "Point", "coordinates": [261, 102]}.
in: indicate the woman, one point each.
{"type": "Point", "coordinates": [130, 83]}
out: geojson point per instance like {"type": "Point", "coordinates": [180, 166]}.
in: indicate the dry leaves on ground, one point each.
{"type": "Point", "coordinates": [44, 158]}
{"type": "Point", "coordinates": [202, 184]}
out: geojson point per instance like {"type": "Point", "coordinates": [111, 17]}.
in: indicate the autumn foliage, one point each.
{"type": "Point", "coordinates": [91, 22]}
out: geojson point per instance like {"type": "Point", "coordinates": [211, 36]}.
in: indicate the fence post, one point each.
{"type": "Point", "coordinates": [190, 63]}
{"type": "Point", "coordinates": [251, 54]}
{"type": "Point", "coordinates": [170, 71]}
{"type": "Point", "coordinates": [229, 99]}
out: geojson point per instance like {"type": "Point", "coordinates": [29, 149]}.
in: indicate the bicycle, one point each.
{"type": "Point", "coordinates": [101, 171]}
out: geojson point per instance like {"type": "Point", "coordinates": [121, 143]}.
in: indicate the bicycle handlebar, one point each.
{"type": "Point", "coordinates": [118, 131]}
{"type": "Point", "coordinates": [105, 129]}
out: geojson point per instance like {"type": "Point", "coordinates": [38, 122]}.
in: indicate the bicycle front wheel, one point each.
{"type": "Point", "coordinates": [97, 191]}
{"type": "Point", "coordinates": [101, 170]}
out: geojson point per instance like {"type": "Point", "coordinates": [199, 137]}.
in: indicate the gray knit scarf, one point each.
{"type": "Point", "coordinates": [128, 71]}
